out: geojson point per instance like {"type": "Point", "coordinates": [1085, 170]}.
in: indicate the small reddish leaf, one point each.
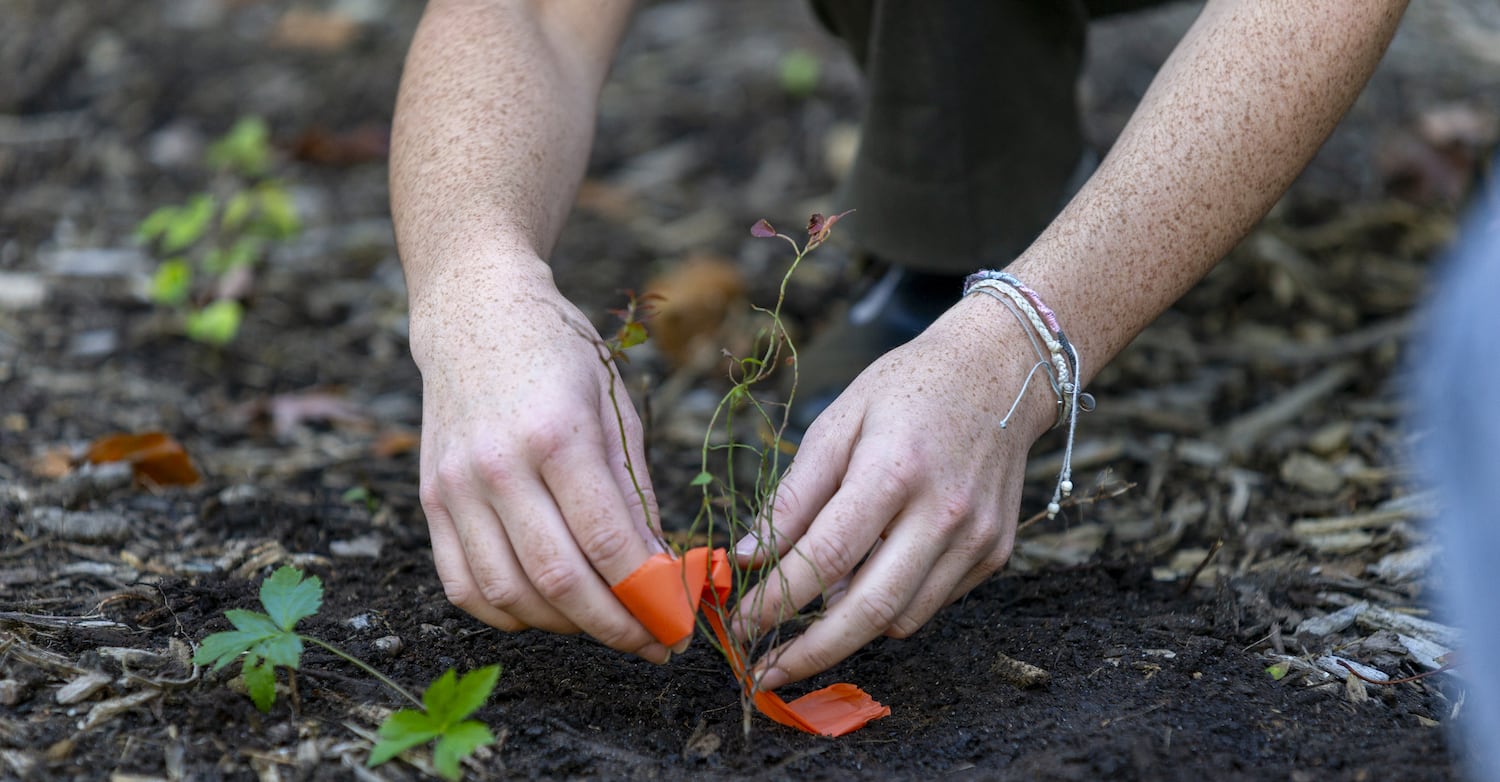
{"type": "Point", "coordinates": [395, 442]}
{"type": "Point", "coordinates": [154, 456]}
{"type": "Point", "coordinates": [762, 229]}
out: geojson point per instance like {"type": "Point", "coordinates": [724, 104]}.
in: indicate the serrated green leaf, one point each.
{"type": "Point", "coordinates": [172, 282]}
{"type": "Point", "coordinates": [401, 731]}
{"type": "Point", "coordinates": [252, 622]}
{"type": "Point", "coordinates": [702, 479]}
{"type": "Point", "coordinates": [283, 649]}
{"type": "Point", "coordinates": [440, 695]}
{"type": "Point", "coordinates": [457, 743]}
{"type": "Point", "coordinates": [289, 598]}
{"type": "Point", "coordinates": [260, 680]}
{"type": "Point", "coordinates": [188, 223]}
{"type": "Point", "coordinates": [216, 324]}
{"type": "Point", "coordinates": [473, 690]}
{"type": "Point", "coordinates": [220, 649]}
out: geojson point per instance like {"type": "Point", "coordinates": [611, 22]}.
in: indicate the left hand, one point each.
{"type": "Point", "coordinates": [909, 473]}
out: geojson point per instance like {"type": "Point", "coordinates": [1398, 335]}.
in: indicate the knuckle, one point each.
{"type": "Point", "coordinates": [489, 466]}
{"type": "Point", "coordinates": [905, 626]}
{"type": "Point", "coordinates": [502, 593]}
{"type": "Point", "coordinates": [831, 558]}
{"type": "Point", "coordinates": [878, 608]}
{"type": "Point", "coordinates": [604, 542]}
{"type": "Point", "coordinates": [557, 582]}
{"type": "Point", "coordinates": [545, 439]}
{"type": "Point", "coordinates": [953, 512]}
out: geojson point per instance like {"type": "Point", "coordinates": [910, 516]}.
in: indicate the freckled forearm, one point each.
{"type": "Point", "coordinates": [1234, 115]}
{"type": "Point", "coordinates": [492, 132]}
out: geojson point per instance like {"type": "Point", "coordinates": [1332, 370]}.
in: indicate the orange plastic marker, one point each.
{"type": "Point", "coordinates": [665, 595]}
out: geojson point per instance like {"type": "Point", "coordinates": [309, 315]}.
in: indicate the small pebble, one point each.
{"type": "Point", "coordinates": [389, 645]}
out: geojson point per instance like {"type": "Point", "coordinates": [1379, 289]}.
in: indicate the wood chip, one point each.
{"type": "Point", "coordinates": [1426, 629]}
{"type": "Point", "coordinates": [1019, 674]}
{"type": "Point", "coordinates": [83, 687]}
{"type": "Point", "coordinates": [112, 708]}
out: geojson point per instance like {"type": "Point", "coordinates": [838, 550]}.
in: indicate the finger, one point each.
{"type": "Point", "coordinates": [497, 570]}
{"type": "Point", "coordinates": [839, 537]}
{"type": "Point", "coordinates": [881, 592]}
{"type": "Point", "coordinates": [809, 483]}
{"type": "Point", "coordinates": [459, 585]}
{"type": "Point", "coordinates": [632, 476]}
{"type": "Point", "coordinates": [587, 543]}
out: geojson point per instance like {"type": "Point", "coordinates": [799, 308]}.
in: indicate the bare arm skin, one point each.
{"type": "Point", "coordinates": [910, 456]}
{"type": "Point", "coordinates": [531, 512]}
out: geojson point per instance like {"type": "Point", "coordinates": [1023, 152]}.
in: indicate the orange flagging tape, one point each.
{"type": "Point", "coordinates": [665, 594]}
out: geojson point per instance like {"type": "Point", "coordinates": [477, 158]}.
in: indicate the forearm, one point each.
{"type": "Point", "coordinates": [1234, 115]}
{"type": "Point", "coordinates": [491, 136]}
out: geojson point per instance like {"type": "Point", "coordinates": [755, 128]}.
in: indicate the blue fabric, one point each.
{"type": "Point", "coordinates": [1456, 366]}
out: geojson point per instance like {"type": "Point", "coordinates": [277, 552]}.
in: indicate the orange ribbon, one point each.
{"type": "Point", "coordinates": [665, 594]}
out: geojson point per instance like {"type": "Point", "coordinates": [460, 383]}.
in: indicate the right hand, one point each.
{"type": "Point", "coordinates": [530, 507]}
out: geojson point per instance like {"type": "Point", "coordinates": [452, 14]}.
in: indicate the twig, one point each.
{"type": "Point", "coordinates": [1078, 501]}
{"type": "Point", "coordinates": [1187, 584]}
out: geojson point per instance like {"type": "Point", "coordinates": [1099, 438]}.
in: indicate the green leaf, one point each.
{"type": "Point", "coordinates": [260, 680]}
{"type": "Point", "coordinates": [800, 70]}
{"type": "Point", "coordinates": [401, 731]}
{"type": "Point", "coordinates": [156, 223]}
{"type": "Point", "coordinates": [473, 690]}
{"type": "Point", "coordinates": [172, 282]}
{"type": "Point", "coordinates": [252, 622]}
{"type": "Point", "coordinates": [217, 324]}
{"type": "Point", "coordinates": [289, 598]}
{"type": "Point", "coordinates": [278, 214]}
{"type": "Point", "coordinates": [440, 694]}
{"type": "Point", "coordinates": [237, 210]}
{"type": "Point", "coordinates": [283, 649]}
{"type": "Point", "coordinates": [220, 649]}
{"type": "Point", "coordinates": [457, 743]}
{"type": "Point", "coordinates": [245, 149]}
{"type": "Point", "coordinates": [188, 223]}
{"type": "Point", "coordinates": [631, 334]}
{"type": "Point", "coordinates": [702, 479]}
{"type": "Point", "coordinates": [1279, 671]}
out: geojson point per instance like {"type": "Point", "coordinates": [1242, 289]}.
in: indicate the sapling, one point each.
{"type": "Point", "coordinates": [270, 639]}
{"type": "Point", "coordinates": [209, 244]}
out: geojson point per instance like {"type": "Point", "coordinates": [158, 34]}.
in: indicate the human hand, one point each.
{"type": "Point", "coordinates": [906, 486]}
{"type": "Point", "coordinates": [531, 509]}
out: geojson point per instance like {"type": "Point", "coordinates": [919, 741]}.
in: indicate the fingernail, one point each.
{"type": "Point", "coordinates": [655, 653]}
{"type": "Point", "coordinates": [682, 645]}
{"type": "Point", "coordinates": [770, 679]}
{"type": "Point", "coordinates": [747, 546]}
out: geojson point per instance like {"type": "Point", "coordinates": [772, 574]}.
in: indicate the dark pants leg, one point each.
{"type": "Point", "coordinates": [971, 130]}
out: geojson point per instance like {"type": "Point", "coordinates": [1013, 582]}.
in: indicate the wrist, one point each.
{"type": "Point", "coordinates": [998, 341]}
{"type": "Point", "coordinates": [462, 306]}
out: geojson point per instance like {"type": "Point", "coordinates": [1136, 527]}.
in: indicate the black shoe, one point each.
{"type": "Point", "coordinates": [899, 306]}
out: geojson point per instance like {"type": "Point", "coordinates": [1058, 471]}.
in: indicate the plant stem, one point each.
{"type": "Point", "coordinates": [363, 666]}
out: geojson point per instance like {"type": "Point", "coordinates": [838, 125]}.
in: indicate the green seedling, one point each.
{"type": "Point", "coordinates": [444, 716]}
{"type": "Point", "coordinates": [270, 639]}
{"type": "Point", "coordinates": [219, 235]}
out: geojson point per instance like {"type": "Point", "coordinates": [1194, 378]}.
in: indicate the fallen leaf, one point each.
{"type": "Point", "coordinates": [395, 442]}
{"type": "Point", "coordinates": [291, 411]}
{"type": "Point", "coordinates": [696, 299]}
{"type": "Point", "coordinates": [362, 144]}
{"type": "Point", "coordinates": [325, 31]}
{"type": "Point", "coordinates": [154, 457]}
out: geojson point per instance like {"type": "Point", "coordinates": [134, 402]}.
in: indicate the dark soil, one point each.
{"type": "Point", "coordinates": [1155, 613]}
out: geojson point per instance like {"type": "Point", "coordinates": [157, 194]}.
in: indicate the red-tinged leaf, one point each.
{"type": "Point", "coordinates": [154, 456]}
{"type": "Point", "coordinates": [815, 224]}
{"type": "Point", "coordinates": [762, 229]}
{"type": "Point", "coordinates": [362, 144]}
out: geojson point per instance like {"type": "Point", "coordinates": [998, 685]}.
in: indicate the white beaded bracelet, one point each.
{"type": "Point", "coordinates": [1059, 360]}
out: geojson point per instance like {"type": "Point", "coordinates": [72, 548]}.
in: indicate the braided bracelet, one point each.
{"type": "Point", "coordinates": [1059, 361]}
